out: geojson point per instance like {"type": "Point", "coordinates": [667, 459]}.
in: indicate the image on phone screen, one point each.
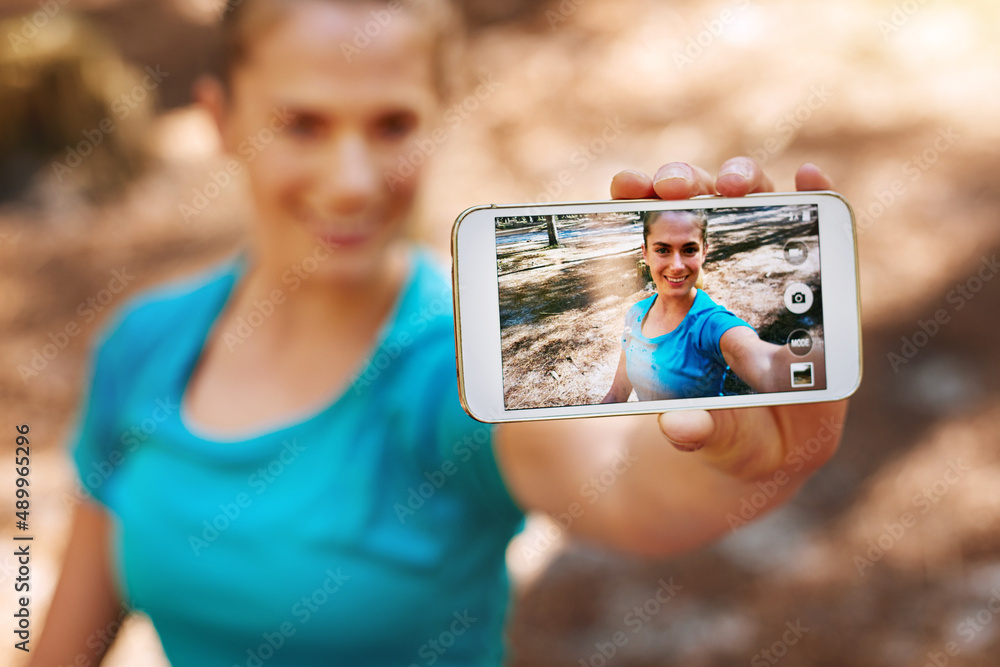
{"type": "Point", "coordinates": [578, 301]}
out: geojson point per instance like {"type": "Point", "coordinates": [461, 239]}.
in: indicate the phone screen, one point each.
{"type": "Point", "coordinates": [634, 305]}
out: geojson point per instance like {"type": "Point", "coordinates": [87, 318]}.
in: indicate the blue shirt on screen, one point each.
{"type": "Point", "coordinates": [372, 532]}
{"type": "Point", "coordinates": [685, 363]}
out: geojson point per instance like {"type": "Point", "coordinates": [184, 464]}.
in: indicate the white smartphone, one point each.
{"type": "Point", "coordinates": [641, 306]}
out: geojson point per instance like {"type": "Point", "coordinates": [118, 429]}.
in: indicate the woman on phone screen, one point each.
{"type": "Point", "coordinates": [678, 343]}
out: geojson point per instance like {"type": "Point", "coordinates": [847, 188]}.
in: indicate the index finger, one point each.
{"type": "Point", "coordinates": [631, 184]}
{"type": "Point", "coordinates": [742, 176]}
{"type": "Point", "coordinates": [676, 180]}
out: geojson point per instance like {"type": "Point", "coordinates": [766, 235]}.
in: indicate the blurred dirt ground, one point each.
{"type": "Point", "coordinates": [897, 101]}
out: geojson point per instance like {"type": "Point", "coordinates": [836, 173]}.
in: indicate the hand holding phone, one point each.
{"type": "Point", "coordinates": [675, 500]}
{"type": "Point", "coordinates": [712, 303]}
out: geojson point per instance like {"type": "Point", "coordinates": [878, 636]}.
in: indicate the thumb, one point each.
{"type": "Point", "coordinates": [687, 430]}
{"type": "Point", "coordinates": [744, 442]}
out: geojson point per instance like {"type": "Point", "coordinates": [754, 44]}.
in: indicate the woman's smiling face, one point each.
{"type": "Point", "coordinates": [323, 135]}
{"type": "Point", "coordinates": [675, 252]}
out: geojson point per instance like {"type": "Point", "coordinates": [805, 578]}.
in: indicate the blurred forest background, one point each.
{"type": "Point", "coordinates": [897, 99]}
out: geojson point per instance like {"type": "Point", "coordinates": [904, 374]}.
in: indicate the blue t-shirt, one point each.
{"type": "Point", "coordinates": [685, 363]}
{"type": "Point", "coordinates": [372, 532]}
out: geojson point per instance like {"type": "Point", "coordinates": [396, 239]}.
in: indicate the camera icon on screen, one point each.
{"type": "Point", "coordinates": [798, 298]}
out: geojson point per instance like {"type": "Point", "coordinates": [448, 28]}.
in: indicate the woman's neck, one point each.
{"type": "Point", "coordinates": [674, 308]}
{"type": "Point", "coordinates": [319, 304]}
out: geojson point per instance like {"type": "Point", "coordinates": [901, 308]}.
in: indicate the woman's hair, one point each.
{"type": "Point", "coordinates": [698, 218]}
{"type": "Point", "coordinates": [244, 21]}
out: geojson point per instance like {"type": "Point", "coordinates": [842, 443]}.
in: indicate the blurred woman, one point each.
{"type": "Point", "coordinates": [295, 500]}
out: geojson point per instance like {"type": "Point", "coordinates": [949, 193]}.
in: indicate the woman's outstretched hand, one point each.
{"type": "Point", "coordinates": [749, 443]}
{"type": "Point", "coordinates": [725, 468]}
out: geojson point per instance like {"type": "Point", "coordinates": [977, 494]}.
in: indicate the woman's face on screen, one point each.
{"type": "Point", "coordinates": [324, 137]}
{"type": "Point", "coordinates": [675, 253]}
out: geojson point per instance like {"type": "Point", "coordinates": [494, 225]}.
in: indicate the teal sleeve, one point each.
{"type": "Point", "coordinates": [470, 444]}
{"type": "Point", "coordinates": [94, 441]}
{"type": "Point", "coordinates": [716, 324]}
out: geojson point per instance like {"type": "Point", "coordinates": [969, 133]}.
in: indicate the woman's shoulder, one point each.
{"type": "Point", "coordinates": [423, 326]}
{"type": "Point", "coordinates": [705, 305]}
{"type": "Point", "coordinates": [158, 310]}
{"type": "Point", "coordinates": [428, 311]}
{"type": "Point", "coordinates": [707, 313]}
{"type": "Point", "coordinates": [430, 283]}
{"type": "Point", "coordinates": [640, 307]}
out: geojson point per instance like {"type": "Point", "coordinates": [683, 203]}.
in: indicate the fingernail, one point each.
{"type": "Point", "coordinates": [687, 446]}
{"type": "Point", "coordinates": [737, 169]}
{"type": "Point", "coordinates": [671, 173]}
